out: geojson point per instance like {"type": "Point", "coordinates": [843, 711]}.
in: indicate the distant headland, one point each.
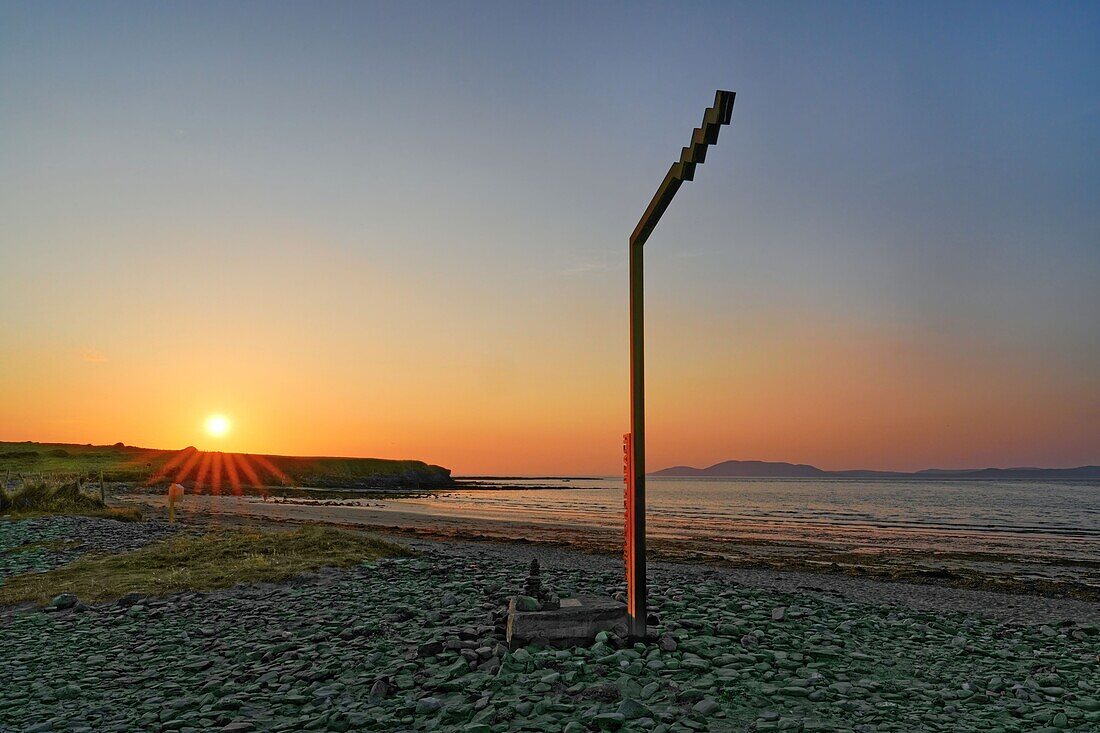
{"type": "Point", "coordinates": [768, 469]}
{"type": "Point", "coordinates": [127, 463]}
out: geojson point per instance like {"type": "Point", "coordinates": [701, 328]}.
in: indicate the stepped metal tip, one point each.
{"type": "Point", "coordinates": [710, 133]}
{"type": "Point", "coordinates": [723, 101]}
{"type": "Point", "coordinates": [684, 171]}
{"type": "Point", "coordinates": [694, 153]}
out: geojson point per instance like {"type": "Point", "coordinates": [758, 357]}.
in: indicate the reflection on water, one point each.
{"type": "Point", "coordinates": [1053, 520]}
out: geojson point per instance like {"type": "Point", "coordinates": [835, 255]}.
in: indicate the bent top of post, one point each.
{"type": "Point", "coordinates": [684, 169]}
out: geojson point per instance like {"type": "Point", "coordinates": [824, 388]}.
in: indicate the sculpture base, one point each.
{"type": "Point", "coordinates": [575, 623]}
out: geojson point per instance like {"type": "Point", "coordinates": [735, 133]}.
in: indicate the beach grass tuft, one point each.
{"type": "Point", "coordinates": [201, 562]}
{"type": "Point", "coordinates": [44, 496]}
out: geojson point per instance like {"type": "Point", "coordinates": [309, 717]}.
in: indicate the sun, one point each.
{"type": "Point", "coordinates": [217, 425]}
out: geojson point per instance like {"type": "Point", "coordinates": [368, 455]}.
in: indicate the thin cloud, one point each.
{"type": "Point", "coordinates": [595, 259]}
{"type": "Point", "coordinates": [94, 356]}
{"type": "Point", "coordinates": [592, 267]}
{"type": "Point", "coordinates": [688, 254]}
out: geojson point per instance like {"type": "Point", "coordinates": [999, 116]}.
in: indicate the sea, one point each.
{"type": "Point", "coordinates": [1029, 528]}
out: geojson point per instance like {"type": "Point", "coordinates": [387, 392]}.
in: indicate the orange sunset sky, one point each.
{"type": "Point", "coordinates": [384, 237]}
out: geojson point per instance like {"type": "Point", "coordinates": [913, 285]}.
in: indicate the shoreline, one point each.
{"type": "Point", "coordinates": [754, 559]}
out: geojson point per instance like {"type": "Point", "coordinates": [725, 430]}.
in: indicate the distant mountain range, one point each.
{"type": "Point", "coordinates": [766, 469]}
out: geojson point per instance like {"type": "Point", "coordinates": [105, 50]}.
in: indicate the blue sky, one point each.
{"type": "Point", "coordinates": [907, 195]}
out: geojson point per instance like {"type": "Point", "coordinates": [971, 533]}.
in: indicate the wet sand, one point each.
{"type": "Point", "coordinates": [429, 518]}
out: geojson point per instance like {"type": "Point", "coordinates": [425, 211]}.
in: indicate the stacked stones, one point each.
{"type": "Point", "coordinates": [536, 597]}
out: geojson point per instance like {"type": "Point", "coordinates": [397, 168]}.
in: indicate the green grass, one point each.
{"type": "Point", "coordinates": [201, 562]}
{"type": "Point", "coordinates": [125, 463]}
{"type": "Point", "coordinates": [43, 496]}
{"type": "Point", "coordinates": [117, 462]}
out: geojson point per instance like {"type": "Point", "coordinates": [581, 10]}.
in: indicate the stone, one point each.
{"type": "Point", "coordinates": [429, 649]}
{"type": "Point", "coordinates": [705, 707]}
{"type": "Point", "coordinates": [608, 721]}
{"type": "Point", "coordinates": [378, 691]}
{"type": "Point", "coordinates": [67, 692]}
{"type": "Point", "coordinates": [631, 709]}
{"type": "Point", "coordinates": [64, 601]}
{"type": "Point", "coordinates": [526, 603]}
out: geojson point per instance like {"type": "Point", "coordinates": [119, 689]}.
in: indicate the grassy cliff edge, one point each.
{"type": "Point", "coordinates": [126, 463]}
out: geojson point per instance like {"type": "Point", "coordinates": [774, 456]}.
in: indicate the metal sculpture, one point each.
{"type": "Point", "coordinates": [634, 441]}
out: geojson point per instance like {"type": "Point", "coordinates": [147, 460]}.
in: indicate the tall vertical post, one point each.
{"type": "Point", "coordinates": [634, 442]}
{"type": "Point", "coordinates": [635, 506]}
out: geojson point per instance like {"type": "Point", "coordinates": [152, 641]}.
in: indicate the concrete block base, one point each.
{"type": "Point", "coordinates": [575, 623]}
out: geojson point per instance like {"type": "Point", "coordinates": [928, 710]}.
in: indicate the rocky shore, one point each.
{"type": "Point", "coordinates": [47, 542]}
{"type": "Point", "coordinates": [411, 645]}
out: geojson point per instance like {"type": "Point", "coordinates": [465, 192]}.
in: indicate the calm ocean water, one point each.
{"type": "Point", "coordinates": [1038, 521]}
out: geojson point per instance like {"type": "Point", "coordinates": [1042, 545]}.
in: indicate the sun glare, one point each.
{"type": "Point", "coordinates": [217, 425]}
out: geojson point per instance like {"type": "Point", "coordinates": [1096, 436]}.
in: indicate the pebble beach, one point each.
{"type": "Point", "coordinates": [414, 644]}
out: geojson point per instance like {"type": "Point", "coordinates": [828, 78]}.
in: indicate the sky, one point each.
{"type": "Point", "coordinates": [400, 230]}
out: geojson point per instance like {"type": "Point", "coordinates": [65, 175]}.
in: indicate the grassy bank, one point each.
{"type": "Point", "coordinates": [43, 496]}
{"type": "Point", "coordinates": [131, 464]}
{"type": "Point", "coordinates": [206, 562]}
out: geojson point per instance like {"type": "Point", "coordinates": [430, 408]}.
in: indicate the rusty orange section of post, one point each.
{"type": "Point", "coordinates": [634, 442]}
{"type": "Point", "coordinates": [630, 536]}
